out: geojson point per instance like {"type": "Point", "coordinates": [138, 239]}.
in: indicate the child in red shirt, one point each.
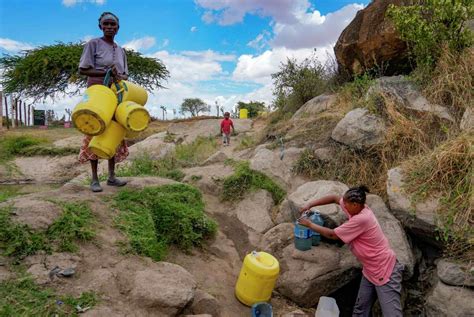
{"type": "Point", "coordinates": [381, 272]}
{"type": "Point", "coordinates": [226, 124]}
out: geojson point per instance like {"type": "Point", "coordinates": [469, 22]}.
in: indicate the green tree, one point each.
{"type": "Point", "coordinates": [49, 70]}
{"type": "Point", "coordinates": [253, 107]}
{"type": "Point", "coordinates": [428, 24]}
{"type": "Point", "coordinates": [193, 106]}
{"type": "Point", "coordinates": [297, 83]}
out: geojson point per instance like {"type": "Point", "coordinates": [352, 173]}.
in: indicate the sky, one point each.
{"type": "Point", "coordinates": [221, 51]}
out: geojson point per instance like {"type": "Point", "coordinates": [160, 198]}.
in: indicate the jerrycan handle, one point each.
{"type": "Point", "coordinates": [107, 77]}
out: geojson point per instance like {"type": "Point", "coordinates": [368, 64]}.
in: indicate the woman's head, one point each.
{"type": "Point", "coordinates": [109, 24]}
{"type": "Point", "coordinates": [354, 199]}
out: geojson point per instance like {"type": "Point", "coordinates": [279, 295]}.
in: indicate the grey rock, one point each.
{"type": "Point", "coordinates": [33, 212]}
{"type": "Point", "coordinates": [204, 303]}
{"type": "Point", "coordinates": [450, 301]}
{"type": "Point", "coordinates": [314, 106]}
{"type": "Point", "coordinates": [215, 158]}
{"type": "Point", "coordinates": [420, 218]}
{"type": "Point", "coordinates": [359, 129]}
{"type": "Point", "coordinates": [208, 178]}
{"type": "Point", "coordinates": [155, 146]}
{"type": "Point", "coordinates": [269, 163]}
{"type": "Point", "coordinates": [254, 211]}
{"type": "Point", "coordinates": [277, 238]}
{"type": "Point", "coordinates": [467, 121]}
{"type": "Point", "coordinates": [455, 273]}
{"type": "Point", "coordinates": [325, 154]}
{"type": "Point", "coordinates": [405, 93]}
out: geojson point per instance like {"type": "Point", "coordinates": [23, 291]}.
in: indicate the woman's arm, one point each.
{"type": "Point", "coordinates": [91, 72]}
{"type": "Point", "coordinates": [325, 232]}
{"type": "Point", "coordinates": [331, 199]}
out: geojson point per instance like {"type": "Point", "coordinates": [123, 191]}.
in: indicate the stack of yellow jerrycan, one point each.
{"type": "Point", "coordinates": [257, 278]}
{"type": "Point", "coordinates": [110, 115]}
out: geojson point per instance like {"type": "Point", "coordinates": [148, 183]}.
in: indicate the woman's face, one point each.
{"type": "Point", "coordinates": [351, 207]}
{"type": "Point", "coordinates": [109, 27]}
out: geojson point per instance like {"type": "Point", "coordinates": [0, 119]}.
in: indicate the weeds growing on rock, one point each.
{"type": "Point", "coordinates": [144, 165]}
{"type": "Point", "coordinates": [22, 297]}
{"type": "Point", "coordinates": [157, 217]}
{"type": "Point", "coordinates": [448, 171]}
{"type": "Point", "coordinates": [196, 152]}
{"type": "Point", "coordinates": [19, 240]}
{"type": "Point", "coordinates": [245, 179]}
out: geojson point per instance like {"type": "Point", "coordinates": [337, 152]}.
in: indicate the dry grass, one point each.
{"type": "Point", "coordinates": [452, 80]}
{"type": "Point", "coordinates": [448, 171]}
{"type": "Point", "coordinates": [51, 134]}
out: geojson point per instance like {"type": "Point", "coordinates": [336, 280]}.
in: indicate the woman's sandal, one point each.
{"type": "Point", "coordinates": [95, 187]}
{"type": "Point", "coordinates": [116, 182]}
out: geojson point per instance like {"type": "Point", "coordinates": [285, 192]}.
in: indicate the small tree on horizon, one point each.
{"type": "Point", "coordinates": [193, 106]}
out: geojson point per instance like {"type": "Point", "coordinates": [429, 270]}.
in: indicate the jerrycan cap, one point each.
{"type": "Point", "coordinates": [264, 260]}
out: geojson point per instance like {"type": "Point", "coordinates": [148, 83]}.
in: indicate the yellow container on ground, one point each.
{"type": "Point", "coordinates": [105, 145]}
{"type": "Point", "coordinates": [93, 114]}
{"type": "Point", "coordinates": [257, 278]}
{"type": "Point", "coordinates": [243, 114]}
{"type": "Point", "coordinates": [132, 116]}
{"type": "Point", "coordinates": [131, 92]}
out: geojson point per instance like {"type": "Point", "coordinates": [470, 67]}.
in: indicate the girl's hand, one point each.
{"type": "Point", "coordinates": [303, 209]}
{"type": "Point", "coordinates": [305, 222]}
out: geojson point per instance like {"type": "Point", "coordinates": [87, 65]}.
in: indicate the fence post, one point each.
{"type": "Point", "coordinates": [6, 112]}
{"type": "Point", "coordinates": [29, 114]}
{"type": "Point", "coordinates": [19, 112]}
{"type": "Point", "coordinates": [1, 110]}
{"type": "Point", "coordinates": [16, 112]}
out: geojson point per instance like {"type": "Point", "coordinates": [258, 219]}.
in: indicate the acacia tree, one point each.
{"type": "Point", "coordinates": [193, 106]}
{"type": "Point", "coordinates": [50, 70]}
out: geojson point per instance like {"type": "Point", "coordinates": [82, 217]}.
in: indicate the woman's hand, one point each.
{"type": "Point", "coordinates": [303, 209]}
{"type": "Point", "coordinates": [305, 222]}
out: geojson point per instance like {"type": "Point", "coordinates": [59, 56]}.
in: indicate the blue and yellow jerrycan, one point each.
{"type": "Point", "coordinates": [130, 92]}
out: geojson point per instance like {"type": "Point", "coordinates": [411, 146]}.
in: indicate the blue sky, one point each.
{"type": "Point", "coordinates": [221, 51]}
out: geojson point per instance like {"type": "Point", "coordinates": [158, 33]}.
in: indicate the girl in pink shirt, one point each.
{"type": "Point", "coordinates": [382, 273]}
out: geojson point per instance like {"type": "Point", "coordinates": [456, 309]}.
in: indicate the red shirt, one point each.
{"type": "Point", "coordinates": [368, 243]}
{"type": "Point", "coordinates": [226, 124]}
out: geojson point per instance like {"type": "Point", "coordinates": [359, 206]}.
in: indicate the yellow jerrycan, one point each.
{"type": "Point", "coordinates": [243, 114]}
{"type": "Point", "coordinates": [130, 92]}
{"type": "Point", "coordinates": [132, 116]}
{"type": "Point", "coordinates": [93, 114]}
{"type": "Point", "coordinates": [105, 145]}
{"type": "Point", "coordinates": [257, 278]}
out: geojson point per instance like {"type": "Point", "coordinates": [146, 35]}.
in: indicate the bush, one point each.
{"type": "Point", "coordinates": [244, 180]}
{"type": "Point", "coordinates": [253, 107]}
{"type": "Point", "coordinates": [15, 145]}
{"type": "Point", "coordinates": [429, 24]}
{"type": "Point", "coordinates": [157, 217]}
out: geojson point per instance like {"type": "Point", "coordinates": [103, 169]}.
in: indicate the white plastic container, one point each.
{"type": "Point", "coordinates": [327, 307]}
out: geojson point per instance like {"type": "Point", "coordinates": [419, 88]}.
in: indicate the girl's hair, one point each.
{"type": "Point", "coordinates": [356, 194]}
{"type": "Point", "coordinates": [107, 13]}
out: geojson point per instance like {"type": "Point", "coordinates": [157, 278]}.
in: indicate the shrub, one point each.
{"type": "Point", "coordinates": [157, 217]}
{"type": "Point", "coordinates": [245, 179]}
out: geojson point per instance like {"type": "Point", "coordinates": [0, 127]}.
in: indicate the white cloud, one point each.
{"type": "Point", "coordinates": [313, 29]}
{"type": "Point", "coordinates": [261, 41]}
{"type": "Point", "coordinates": [14, 46]}
{"type": "Point", "coordinates": [71, 3]}
{"type": "Point", "coordinates": [194, 29]}
{"type": "Point", "coordinates": [209, 55]}
{"type": "Point", "coordinates": [227, 12]}
{"type": "Point", "coordinates": [165, 43]}
{"type": "Point", "coordinates": [143, 43]}
{"type": "Point", "coordinates": [87, 38]}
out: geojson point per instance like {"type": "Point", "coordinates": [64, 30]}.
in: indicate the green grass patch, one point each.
{"type": "Point", "coordinates": [42, 150]}
{"type": "Point", "coordinates": [7, 192]}
{"type": "Point", "coordinates": [246, 142]}
{"type": "Point", "coordinates": [14, 145]}
{"type": "Point", "coordinates": [19, 240]}
{"type": "Point", "coordinates": [157, 217]}
{"type": "Point", "coordinates": [245, 179]}
{"type": "Point", "coordinates": [22, 297]}
{"type": "Point", "coordinates": [144, 165]}
{"type": "Point", "coordinates": [192, 154]}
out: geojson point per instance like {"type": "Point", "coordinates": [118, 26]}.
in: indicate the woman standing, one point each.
{"type": "Point", "coordinates": [99, 56]}
{"type": "Point", "coordinates": [381, 271]}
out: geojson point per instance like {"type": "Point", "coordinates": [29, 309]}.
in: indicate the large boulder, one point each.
{"type": "Point", "coordinates": [394, 232]}
{"type": "Point", "coordinates": [277, 238]}
{"type": "Point", "coordinates": [154, 145]}
{"type": "Point", "coordinates": [307, 275]}
{"type": "Point", "coordinates": [218, 157]}
{"type": "Point", "coordinates": [204, 303]}
{"type": "Point", "coordinates": [371, 41]}
{"type": "Point", "coordinates": [166, 289]}
{"type": "Point", "coordinates": [254, 211]}
{"type": "Point", "coordinates": [314, 106]}
{"type": "Point", "coordinates": [36, 213]}
{"type": "Point", "coordinates": [455, 273]}
{"type": "Point", "coordinates": [189, 131]}
{"type": "Point", "coordinates": [270, 164]}
{"type": "Point", "coordinates": [419, 217]}
{"type": "Point", "coordinates": [359, 129]}
{"type": "Point", "coordinates": [208, 178]}
{"type": "Point", "coordinates": [447, 301]}
{"type": "Point", "coordinates": [307, 192]}
{"type": "Point", "coordinates": [404, 92]}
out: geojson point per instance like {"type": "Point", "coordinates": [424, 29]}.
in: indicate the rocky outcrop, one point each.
{"type": "Point", "coordinates": [320, 271]}
{"type": "Point", "coordinates": [218, 157]}
{"type": "Point", "coordinates": [324, 154]}
{"type": "Point", "coordinates": [35, 213]}
{"type": "Point", "coordinates": [307, 192]}
{"type": "Point", "coordinates": [269, 163]}
{"type": "Point", "coordinates": [406, 95]}
{"type": "Point", "coordinates": [204, 303]}
{"type": "Point", "coordinates": [167, 289]}
{"type": "Point", "coordinates": [420, 217]}
{"type": "Point", "coordinates": [359, 129]}
{"type": "Point", "coordinates": [189, 131]}
{"type": "Point", "coordinates": [254, 211]}
{"type": "Point", "coordinates": [394, 232]}
{"type": "Point", "coordinates": [314, 106]}
{"type": "Point", "coordinates": [447, 301]}
{"type": "Point", "coordinates": [277, 238]}
{"type": "Point", "coordinates": [455, 273]}
{"type": "Point", "coordinates": [154, 145]}
{"type": "Point", "coordinates": [371, 41]}
{"type": "Point", "coordinates": [207, 178]}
